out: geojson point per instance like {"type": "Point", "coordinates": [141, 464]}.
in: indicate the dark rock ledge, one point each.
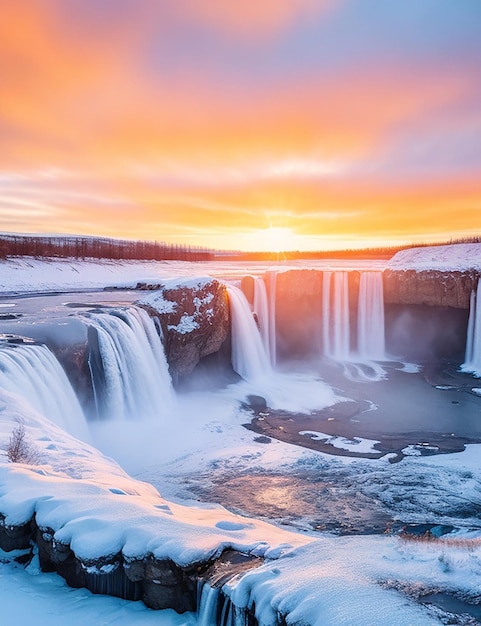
{"type": "Point", "coordinates": [159, 583]}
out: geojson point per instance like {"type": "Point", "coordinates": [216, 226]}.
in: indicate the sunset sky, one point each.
{"type": "Point", "coordinates": [246, 124]}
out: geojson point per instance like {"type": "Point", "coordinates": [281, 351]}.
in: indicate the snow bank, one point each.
{"type": "Point", "coordinates": [27, 274]}
{"type": "Point", "coordinates": [351, 580]}
{"type": "Point", "coordinates": [100, 511]}
{"type": "Point", "coordinates": [29, 596]}
{"type": "Point", "coordinates": [455, 257]}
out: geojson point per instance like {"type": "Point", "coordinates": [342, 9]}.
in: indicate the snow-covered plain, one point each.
{"type": "Point", "coordinates": [30, 275]}
{"type": "Point", "coordinates": [312, 578]}
{"type": "Point", "coordinates": [456, 257]}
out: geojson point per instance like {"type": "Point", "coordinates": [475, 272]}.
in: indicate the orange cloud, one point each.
{"type": "Point", "coordinates": [147, 149]}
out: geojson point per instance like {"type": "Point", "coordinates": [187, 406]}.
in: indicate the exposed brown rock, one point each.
{"type": "Point", "coordinates": [430, 287]}
{"type": "Point", "coordinates": [206, 306]}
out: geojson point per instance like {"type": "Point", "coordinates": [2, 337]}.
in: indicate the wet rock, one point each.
{"type": "Point", "coordinates": [180, 597]}
{"type": "Point", "coordinates": [58, 557]}
{"type": "Point", "coordinates": [14, 537]}
{"type": "Point", "coordinates": [254, 403]}
{"type": "Point", "coordinates": [74, 359]}
{"type": "Point", "coordinates": [194, 318]}
{"type": "Point", "coordinates": [228, 565]}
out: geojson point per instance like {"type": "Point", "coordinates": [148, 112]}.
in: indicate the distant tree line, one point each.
{"type": "Point", "coordinates": [104, 248]}
{"type": "Point", "coordinates": [384, 252]}
{"type": "Point", "coordinates": [99, 248]}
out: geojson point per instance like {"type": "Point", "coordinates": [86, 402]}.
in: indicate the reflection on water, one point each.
{"type": "Point", "coordinates": [303, 500]}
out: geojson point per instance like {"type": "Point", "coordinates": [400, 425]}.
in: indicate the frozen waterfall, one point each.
{"type": "Point", "coordinates": [129, 369]}
{"type": "Point", "coordinates": [249, 358]}
{"type": "Point", "coordinates": [472, 363]}
{"type": "Point", "coordinates": [33, 373]}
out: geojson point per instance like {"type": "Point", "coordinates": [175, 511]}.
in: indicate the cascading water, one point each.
{"type": "Point", "coordinates": [129, 369]}
{"type": "Point", "coordinates": [32, 372]}
{"type": "Point", "coordinates": [472, 362]}
{"type": "Point", "coordinates": [261, 309]}
{"type": "Point", "coordinates": [335, 315]}
{"type": "Point", "coordinates": [272, 281]}
{"type": "Point", "coordinates": [216, 609]}
{"type": "Point", "coordinates": [370, 317]}
{"type": "Point", "coordinates": [249, 358]}
{"type": "Point", "coordinates": [336, 333]}
{"type": "Point", "coordinates": [207, 605]}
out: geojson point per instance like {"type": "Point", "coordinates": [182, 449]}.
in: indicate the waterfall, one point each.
{"type": "Point", "coordinates": [215, 608]}
{"type": "Point", "coordinates": [207, 606]}
{"type": "Point", "coordinates": [32, 372]}
{"type": "Point", "coordinates": [272, 278]}
{"type": "Point", "coordinates": [249, 358]}
{"type": "Point", "coordinates": [370, 317]}
{"type": "Point", "coordinates": [335, 315]}
{"type": "Point", "coordinates": [261, 309]}
{"type": "Point", "coordinates": [326, 311]}
{"type": "Point", "coordinates": [129, 369]}
{"type": "Point", "coordinates": [472, 363]}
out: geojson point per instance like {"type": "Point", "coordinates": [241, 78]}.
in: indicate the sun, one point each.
{"type": "Point", "coordinates": [275, 239]}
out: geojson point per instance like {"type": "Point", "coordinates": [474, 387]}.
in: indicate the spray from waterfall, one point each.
{"type": "Point", "coordinates": [249, 358]}
{"type": "Point", "coordinates": [128, 365]}
{"type": "Point", "coordinates": [33, 373]}
{"type": "Point", "coordinates": [472, 361]}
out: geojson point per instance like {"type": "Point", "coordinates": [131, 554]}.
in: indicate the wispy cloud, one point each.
{"type": "Point", "coordinates": [208, 116]}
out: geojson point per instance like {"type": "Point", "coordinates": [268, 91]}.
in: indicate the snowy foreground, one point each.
{"type": "Point", "coordinates": [313, 579]}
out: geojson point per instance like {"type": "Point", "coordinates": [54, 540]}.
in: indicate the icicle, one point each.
{"type": "Point", "coordinates": [32, 372]}
{"type": "Point", "coordinates": [249, 359]}
{"type": "Point", "coordinates": [133, 381]}
{"type": "Point", "coordinates": [472, 363]}
{"type": "Point", "coordinates": [370, 317]}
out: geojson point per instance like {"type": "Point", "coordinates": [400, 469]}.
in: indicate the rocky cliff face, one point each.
{"type": "Point", "coordinates": [430, 287]}
{"type": "Point", "coordinates": [159, 583]}
{"type": "Point", "coordinates": [194, 317]}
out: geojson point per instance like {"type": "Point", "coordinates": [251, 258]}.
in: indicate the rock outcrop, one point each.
{"type": "Point", "coordinates": [430, 287]}
{"type": "Point", "coordinates": [194, 317]}
{"type": "Point", "coordinates": [159, 583]}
